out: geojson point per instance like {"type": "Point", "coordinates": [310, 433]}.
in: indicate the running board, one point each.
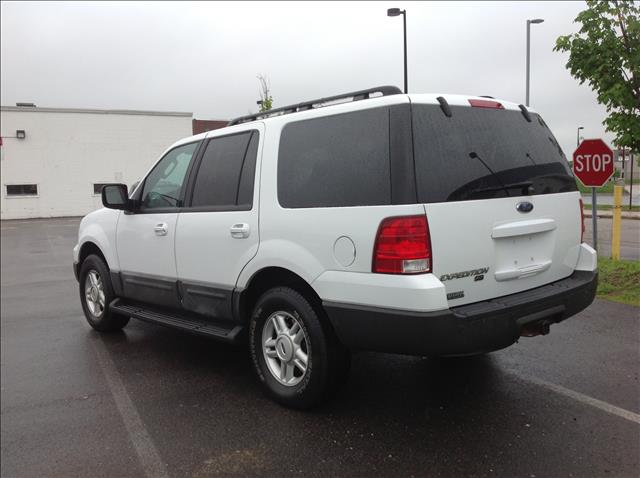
{"type": "Point", "coordinates": [176, 320]}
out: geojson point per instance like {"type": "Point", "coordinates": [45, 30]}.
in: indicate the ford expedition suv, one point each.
{"type": "Point", "coordinates": [415, 224]}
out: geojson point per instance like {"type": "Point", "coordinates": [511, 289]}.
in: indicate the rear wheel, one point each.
{"type": "Point", "coordinates": [296, 354]}
{"type": "Point", "coordinates": [96, 293]}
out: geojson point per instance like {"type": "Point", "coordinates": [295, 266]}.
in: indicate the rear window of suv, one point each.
{"type": "Point", "coordinates": [481, 153]}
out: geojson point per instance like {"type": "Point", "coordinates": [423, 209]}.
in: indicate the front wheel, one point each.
{"type": "Point", "coordinates": [296, 354]}
{"type": "Point", "coordinates": [96, 293]}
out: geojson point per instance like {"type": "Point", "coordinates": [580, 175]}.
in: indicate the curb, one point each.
{"type": "Point", "coordinates": [609, 214]}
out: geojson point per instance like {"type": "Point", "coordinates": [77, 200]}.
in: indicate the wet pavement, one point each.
{"type": "Point", "coordinates": [151, 401]}
{"type": "Point", "coordinates": [629, 237]}
{"type": "Point", "coordinates": [607, 199]}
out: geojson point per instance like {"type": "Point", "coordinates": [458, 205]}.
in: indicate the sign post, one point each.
{"type": "Point", "coordinates": [594, 217]}
{"type": "Point", "coordinates": [593, 166]}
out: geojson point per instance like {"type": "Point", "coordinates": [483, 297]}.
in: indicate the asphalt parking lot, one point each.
{"type": "Point", "coordinates": [629, 237]}
{"type": "Point", "coordinates": [151, 401]}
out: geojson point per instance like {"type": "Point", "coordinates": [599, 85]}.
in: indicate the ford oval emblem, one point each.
{"type": "Point", "coordinates": [524, 207]}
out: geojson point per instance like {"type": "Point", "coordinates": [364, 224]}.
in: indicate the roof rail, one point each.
{"type": "Point", "coordinates": [318, 103]}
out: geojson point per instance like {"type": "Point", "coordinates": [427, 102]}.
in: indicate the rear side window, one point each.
{"type": "Point", "coordinates": [226, 174]}
{"type": "Point", "coordinates": [340, 160]}
{"type": "Point", "coordinates": [481, 153]}
{"type": "Point", "coordinates": [247, 176]}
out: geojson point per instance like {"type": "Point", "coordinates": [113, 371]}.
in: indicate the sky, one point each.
{"type": "Point", "coordinates": [204, 57]}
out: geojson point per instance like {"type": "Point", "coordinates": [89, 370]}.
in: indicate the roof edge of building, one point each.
{"type": "Point", "coordinates": [38, 109]}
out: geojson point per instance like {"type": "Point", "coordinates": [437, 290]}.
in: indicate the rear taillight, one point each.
{"type": "Point", "coordinates": [486, 104]}
{"type": "Point", "coordinates": [403, 246]}
{"type": "Point", "coordinates": [582, 221]}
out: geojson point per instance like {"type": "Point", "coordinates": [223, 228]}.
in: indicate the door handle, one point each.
{"type": "Point", "coordinates": [508, 274]}
{"type": "Point", "coordinates": [160, 229]}
{"type": "Point", "coordinates": [240, 231]}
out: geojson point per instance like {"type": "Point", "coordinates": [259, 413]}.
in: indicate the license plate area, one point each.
{"type": "Point", "coordinates": [523, 256]}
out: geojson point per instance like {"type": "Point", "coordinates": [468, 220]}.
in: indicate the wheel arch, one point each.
{"type": "Point", "coordinates": [265, 279]}
{"type": "Point", "coordinates": [89, 248]}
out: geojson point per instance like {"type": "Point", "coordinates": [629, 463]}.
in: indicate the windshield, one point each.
{"type": "Point", "coordinates": [481, 153]}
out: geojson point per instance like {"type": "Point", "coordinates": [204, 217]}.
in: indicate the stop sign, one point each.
{"type": "Point", "coordinates": [593, 162]}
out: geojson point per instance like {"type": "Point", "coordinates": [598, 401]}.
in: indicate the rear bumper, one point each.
{"type": "Point", "coordinates": [469, 329]}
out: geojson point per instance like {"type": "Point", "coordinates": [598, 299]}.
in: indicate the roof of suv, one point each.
{"type": "Point", "coordinates": [388, 95]}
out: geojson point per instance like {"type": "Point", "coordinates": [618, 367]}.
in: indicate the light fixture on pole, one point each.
{"type": "Point", "coordinates": [394, 12]}
{"type": "Point", "coordinates": [529, 22]}
{"type": "Point", "coordinates": [578, 136]}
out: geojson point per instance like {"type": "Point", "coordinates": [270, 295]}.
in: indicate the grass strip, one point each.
{"type": "Point", "coordinates": [619, 281]}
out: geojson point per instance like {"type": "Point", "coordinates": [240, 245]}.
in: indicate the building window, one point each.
{"type": "Point", "coordinates": [97, 188]}
{"type": "Point", "coordinates": [20, 190]}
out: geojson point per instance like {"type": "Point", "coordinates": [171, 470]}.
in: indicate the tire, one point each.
{"type": "Point", "coordinates": [96, 293]}
{"type": "Point", "coordinates": [274, 344]}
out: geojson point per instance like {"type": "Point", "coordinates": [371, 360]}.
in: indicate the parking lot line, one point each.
{"type": "Point", "coordinates": [147, 452]}
{"type": "Point", "coordinates": [581, 397]}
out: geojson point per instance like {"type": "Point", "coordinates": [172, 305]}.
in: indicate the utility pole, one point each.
{"type": "Point", "coordinates": [394, 12]}
{"type": "Point", "coordinates": [529, 22]}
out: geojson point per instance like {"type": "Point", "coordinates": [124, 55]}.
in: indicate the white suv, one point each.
{"type": "Point", "coordinates": [415, 224]}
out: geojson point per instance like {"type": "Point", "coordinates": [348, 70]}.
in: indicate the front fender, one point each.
{"type": "Point", "coordinates": [100, 227]}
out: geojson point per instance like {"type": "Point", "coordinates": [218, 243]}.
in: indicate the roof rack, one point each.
{"type": "Point", "coordinates": [320, 102]}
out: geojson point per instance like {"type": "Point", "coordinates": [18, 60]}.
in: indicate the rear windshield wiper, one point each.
{"type": "Point", "coordinates": [525, 186]}
{"type": "Point", "coordinates": [474, 155]}
{"type": "Point", "coordinates": [531, 159]}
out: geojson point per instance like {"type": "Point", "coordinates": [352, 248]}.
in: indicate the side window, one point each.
{"type": "Point", "coordinates": [340, 160]}
{"type": "Point", "coordinates": [248, 175]}
{"type": "Point", "coordinates": [226, 174]}
{"type": "Point", "coordinates": [163, 185]}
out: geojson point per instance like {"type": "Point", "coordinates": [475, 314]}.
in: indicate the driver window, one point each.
{"type": "Point", "coordinates": [163, 185]}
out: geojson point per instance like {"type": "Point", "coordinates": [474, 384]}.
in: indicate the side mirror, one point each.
{"type": "Point", "coordinates": [114, 196]}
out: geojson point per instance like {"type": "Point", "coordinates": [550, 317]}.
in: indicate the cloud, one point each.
{"type": "Point", "coordinates": [204, 57]}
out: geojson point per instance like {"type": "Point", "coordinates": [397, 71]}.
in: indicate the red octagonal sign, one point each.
{"type": "Point", "coordinates": [593, 162]}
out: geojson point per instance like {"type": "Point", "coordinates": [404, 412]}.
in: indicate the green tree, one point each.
{"type": "Point", "coordinates": [605, 53]}
{"type": "Point", "coordinates": [266, 100]}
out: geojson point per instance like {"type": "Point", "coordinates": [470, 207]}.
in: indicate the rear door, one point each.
{"type": "Point", "coordinates": [501, 202]}
{"type": "Point", "coordinates": [217, 233]}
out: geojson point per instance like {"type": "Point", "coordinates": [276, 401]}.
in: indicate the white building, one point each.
{"type": "Point", "coordinates": [53, 161]}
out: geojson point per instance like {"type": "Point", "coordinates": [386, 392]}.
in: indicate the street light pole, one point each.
{"type": "Point", "coordinates": [578, 136]}
{"type": "Point", "coordinates": [529, 22]}
{"type": "Point", "coordinates": [406, 75]}
{"type": "Point", "coordinates": [394, 12]}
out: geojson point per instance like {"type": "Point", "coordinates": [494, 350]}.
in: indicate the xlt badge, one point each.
{"type": "Point", "coordinates": [478, 273]}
